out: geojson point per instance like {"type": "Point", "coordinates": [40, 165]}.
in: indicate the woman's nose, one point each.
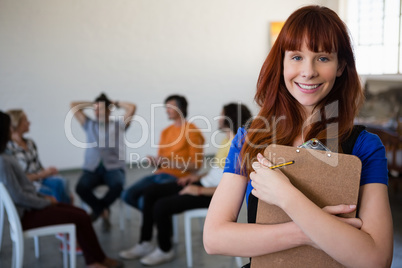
{"type": "Point", "coordinates": [309, 70]}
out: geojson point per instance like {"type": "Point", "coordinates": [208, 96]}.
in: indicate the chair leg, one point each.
{"type": "Point", "coordinates": [175, 221]}
{"type": "Point", "coordinates": [18, 253]}
{"type": "Point", "coordinates": [36, 245]}
{"type": "Point", "coordinates": [14, 257]}
{"type": "Point", "coordinates": [201, 221]}
{"type": "Point", "coordinates": [122, 219]}
{"type": "Point", "coordinates": [128, 210]}
{"type": "Point", "coordinates": [73, 245]}
{"type": "Point", "coordinates": [187, 234]}
{"type": "Point", "coordinates": [125, 214]}
{"type": "Point", "coordinates": [65, 251]}
{"type": "Point", "coordinates": [239, 262]}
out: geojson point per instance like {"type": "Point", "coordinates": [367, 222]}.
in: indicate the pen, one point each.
{"type": "Point", "coordinates": [283, 164]}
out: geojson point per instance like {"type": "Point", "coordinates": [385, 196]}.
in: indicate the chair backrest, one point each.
{"type": "Point", "coordinates": [14, 220]}
{"type": "Point", "coordinates": [393, 147]}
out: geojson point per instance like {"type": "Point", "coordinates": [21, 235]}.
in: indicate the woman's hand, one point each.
{"type": "Point", "coordinates": [43, 173]}
{"type": "Point", "coordinates": [269, 185]}
{"type": "Point", "coordinates": [344, 209]}
{"type": "Point", "coordinates": [50, 171]}
{"type": "Point", "coordinates": [335, 211]}
{"type": "Point", "coordinates": [47, 172]}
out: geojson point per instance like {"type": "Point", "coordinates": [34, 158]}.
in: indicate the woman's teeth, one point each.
{"type": "Point", "coordinates": [308, 86]}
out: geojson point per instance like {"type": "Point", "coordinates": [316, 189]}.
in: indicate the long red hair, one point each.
{"type": "Point", "coordinates": [281, 119]}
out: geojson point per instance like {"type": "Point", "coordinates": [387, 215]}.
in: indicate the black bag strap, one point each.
{"type": "Point", "coordinates": [349, 143]}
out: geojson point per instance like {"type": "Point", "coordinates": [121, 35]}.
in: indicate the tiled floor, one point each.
{"type": "Point", "coordinates": [117, 240]}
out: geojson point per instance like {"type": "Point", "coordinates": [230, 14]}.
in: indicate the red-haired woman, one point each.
{"type": "Point", "coordinates": [307, 85]}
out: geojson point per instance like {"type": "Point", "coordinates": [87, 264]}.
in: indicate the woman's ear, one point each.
{"type": "Point", "coordinates": [341, 67]}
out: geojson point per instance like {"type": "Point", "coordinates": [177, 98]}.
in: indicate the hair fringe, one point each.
{"type": "Point", "coordinates": [324, 30]}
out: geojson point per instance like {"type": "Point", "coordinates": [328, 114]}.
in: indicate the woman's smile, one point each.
{"type": "Point", "coordinates": [308, 88]}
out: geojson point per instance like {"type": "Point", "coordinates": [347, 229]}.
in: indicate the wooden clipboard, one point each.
{"type": "Point", "coordinates": [326, 178]}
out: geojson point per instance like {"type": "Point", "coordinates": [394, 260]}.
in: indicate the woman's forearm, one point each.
{"type": "Point", "coordinates": [128, 106]}
{"type": "Point", "coordinates": [77, 110]}
{"type": "Point", "coordinates": [35, 176]}
{"type": "Point", "coordinates": [223, 235]}
{"type": "Point", "coordinates": [370, 246]}
{"type": "Point", "coordinates": [251, 240]}
{"type": "Point", "coordinates": [38, 176]}
{"type": "Point", "coordinates": [81, 104]}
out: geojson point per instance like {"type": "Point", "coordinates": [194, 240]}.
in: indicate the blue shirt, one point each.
{"type": "Point", "coordinates": [105, 145]}
{"type": "Point", "coordinates": [368, 148]}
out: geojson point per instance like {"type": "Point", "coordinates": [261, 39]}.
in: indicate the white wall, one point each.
{"type": "Point", "coordinates": [53, 52]}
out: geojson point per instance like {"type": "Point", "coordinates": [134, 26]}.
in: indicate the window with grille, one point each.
{"type": "Point", "coordinates": [375, 26]}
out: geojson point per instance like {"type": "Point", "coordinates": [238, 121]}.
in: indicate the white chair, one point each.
{"type": "Point", "coordinates": [123, 214]}
{"type": "Point", "coordinates": [175, 224]}
{"type": "Point", "coordinates": [17, 234]}
{"type": "Point", "coordinates": [188, 216]}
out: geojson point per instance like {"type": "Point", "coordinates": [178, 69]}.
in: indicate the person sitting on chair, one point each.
{"type": "Point", "coordinates": [46, 180]}
{"type": "Point", "coordinates": [162, 201]}
{"type": "Point", "coordinates": [37, 210]}
{"type": "Point", "coordinates": [180, 152]}
{"type": "Point", "coordinates": [105, 162]}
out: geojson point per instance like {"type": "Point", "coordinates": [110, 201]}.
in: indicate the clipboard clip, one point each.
{"type": "Point", "coordinates": [315, 144]}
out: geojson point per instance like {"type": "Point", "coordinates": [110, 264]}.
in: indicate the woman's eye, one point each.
{"type": "Point", "coordinates": [323, 59]}
{"type": "Point", "coordinates": [296, 58]}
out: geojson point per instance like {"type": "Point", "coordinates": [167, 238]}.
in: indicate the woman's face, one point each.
{"type": "Point", "coordinates": [101, 111]}
{"type": "Point", "coordinates": [23, 126]}
{"type": "Point", "coordinates": [309, 76]}
{"type": "Point", "coordinates": [172, 110]}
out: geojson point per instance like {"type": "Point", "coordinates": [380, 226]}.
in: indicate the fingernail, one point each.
{"type": "Point", "coordinates": [352, 206]}
{"type": "Point", "coordinates": [255, 165]}
{"type": "Point", "coordinates": [259, 155]}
